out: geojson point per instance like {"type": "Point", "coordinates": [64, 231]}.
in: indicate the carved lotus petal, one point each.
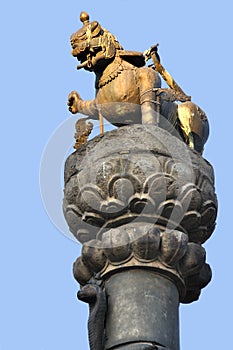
{"type": "Point", "coordinates": [184, 172]}
{"type": "Point", "coordinates": [169, 166]}
{"type": "Point", "coordinates": [191, 220]}
{"type": "Point", "coordinates": [172, 188]}
{"type": "Point", "coordinates": [83, 226]}
{"type": "Point", "coordinates": [199, 236]}
{"type": "Point", "coordinates": [173, 246]}
{"type": "Point", "coordinates": [172, 209]}
{"type": "Point", "coordinates": [156, 186]}
{"type": "Point", "coordinates": [207, 189]}
{"type": "Point", "coordinates": [121, 189]}
{"type": "Point", "coordinates": [93, 219]}
{"type": "Point", "coordinates": [112, 207]}
{"type": "Point", "coordinates": [209, 213]}
{"type": "Point", "coordinates": [191, 296]}
{"type": "Point", "coordinates": [116, 245]}
{"type": "Point", "coordinates": [193, 260]}
{"type": "Point", "coordinates": [190, 197]}
{"type": "Point", "coordinates": [200, 280]}
{"type": "Point", "coordinates": [81, 272]}
{"type": "Point", "coordinates": [146, 242]}
{"type": "Point", "coordinates": [210, 230]}
{"type": "Point", "coordinates": [90, 198]}
{"type": "Point", "coordinates": [85, 233]}
{"type": "Point", "coordinates": [140, 204]}
{"type": "Point", "coordinates": [93, 255]}
{"type": "Point", "coordinates": [195, 283]}
{"type": "Point", "coordinates": [72, 217]}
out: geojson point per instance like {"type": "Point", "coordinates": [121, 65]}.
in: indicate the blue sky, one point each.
{"type": "Point", "coordinates": [39, 309]}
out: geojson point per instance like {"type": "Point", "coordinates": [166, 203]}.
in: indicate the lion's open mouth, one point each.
{"type": "Point", "coordinates": [79, 52]}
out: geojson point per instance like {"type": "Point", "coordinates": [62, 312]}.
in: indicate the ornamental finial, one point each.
{"type": "Point", "coordinates": [84, 17]}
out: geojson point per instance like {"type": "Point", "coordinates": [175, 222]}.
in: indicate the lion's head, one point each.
{"type": "Point", "coordinates": [92, 45]}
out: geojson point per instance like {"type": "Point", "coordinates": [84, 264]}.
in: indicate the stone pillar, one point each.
{"type": "Point", "coordinates": [142, 308]}
{"type": "Point", "coordinates": [142, 203]}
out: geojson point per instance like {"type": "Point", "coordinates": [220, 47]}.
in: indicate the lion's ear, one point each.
{"type": "Point", "coordinates": [95, 29]}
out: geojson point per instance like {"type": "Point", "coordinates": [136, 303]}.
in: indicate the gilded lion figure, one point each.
{"type": "Point", "coordinates": [128, 91]}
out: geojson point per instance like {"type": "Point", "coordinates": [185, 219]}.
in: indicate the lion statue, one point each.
{"type": "Point", "coordinates": [128, 91]}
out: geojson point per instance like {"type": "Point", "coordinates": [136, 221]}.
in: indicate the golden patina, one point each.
{"type": "Point", "coordinates": [128, 91]}
{"type": "Point", "coordinates": [83, 130]}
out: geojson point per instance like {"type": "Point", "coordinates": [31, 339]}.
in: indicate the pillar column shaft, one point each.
{"type": "Point", "coordinates": [142, 308]}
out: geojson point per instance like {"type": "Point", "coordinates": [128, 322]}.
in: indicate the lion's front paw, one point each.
{"type": "Point", "coordinates": [73, 101]}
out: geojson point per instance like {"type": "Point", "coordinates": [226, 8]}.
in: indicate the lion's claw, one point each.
{"type": "Point", "coordinates": [73, 100]}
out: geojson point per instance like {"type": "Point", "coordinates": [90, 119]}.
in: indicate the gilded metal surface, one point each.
{"type": "Point", "coordinates": [83, 130]}
{"type": "Point", "coordinates": [194, 123]}
{"type": "Point", "coordinates": [122, 79]}
{"type": "Point", "coordinates": [153, 53]}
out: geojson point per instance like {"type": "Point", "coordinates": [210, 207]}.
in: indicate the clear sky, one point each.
{"type": "Point", "coordinates": [38, 305]}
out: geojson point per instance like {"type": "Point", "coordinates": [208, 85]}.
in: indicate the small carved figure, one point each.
{"type": "Point", "coordinates": [94, 295]}
{"type": "Point", "coordinates": [127, 91]}
{"type": "Point", "coordinates": [83, 130]}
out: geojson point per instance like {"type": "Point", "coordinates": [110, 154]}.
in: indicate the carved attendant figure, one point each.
{"type": "Point", "coordinates": [93, 294]}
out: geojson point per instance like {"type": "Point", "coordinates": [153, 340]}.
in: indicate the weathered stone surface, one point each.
{"type": "Point", "coordinates": [139, 171]}
{"type": "Point", "coordinates": [140, 197]}
{"type": "Point", "coordinates": [174, 245]}
{"type": "Point", "coordinates": [146, 245]}
{"type": "Point", "coordinates": [142, 307]}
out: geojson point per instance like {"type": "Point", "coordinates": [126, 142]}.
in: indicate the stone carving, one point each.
{"type": "Point", "coordinates": [173, 256]}
{"type": "Point", "coordinates": [127, 91]}
{"type": "Point", "coordinates": [147, 198]}
{"type": "Point", "coordinates": [140, 199]}
{"type": "Point", "coordinates": [93, 294]}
